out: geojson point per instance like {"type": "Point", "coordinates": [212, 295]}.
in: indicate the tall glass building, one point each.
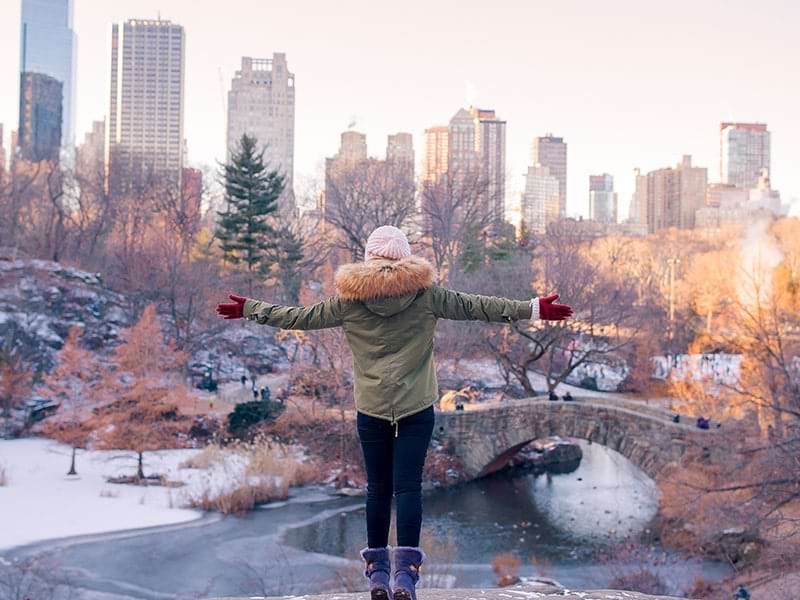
{"type": "Point", "coordinates": [48, 45]}
{"type": "Point", "coordinates": [41, 102]}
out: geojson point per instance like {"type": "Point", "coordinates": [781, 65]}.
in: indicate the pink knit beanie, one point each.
{"type": "Point", "coordinates": [387, 242]}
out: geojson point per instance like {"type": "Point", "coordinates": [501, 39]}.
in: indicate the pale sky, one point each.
{"type": "Point", "coordinates": [627, 83]}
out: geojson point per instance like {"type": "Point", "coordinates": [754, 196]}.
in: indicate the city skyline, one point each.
{"type": "Point", "coordinates": [610, 105]}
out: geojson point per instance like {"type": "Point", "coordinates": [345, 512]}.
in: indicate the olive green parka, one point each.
{"type": "Point", "coordinates": [388, 310]}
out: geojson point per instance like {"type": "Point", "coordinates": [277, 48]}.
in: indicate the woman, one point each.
{"type": "Point", "coordinates": [388, 307]}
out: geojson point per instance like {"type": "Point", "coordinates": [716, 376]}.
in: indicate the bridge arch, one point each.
{"type": "Point", "coordinates": [485, 437]}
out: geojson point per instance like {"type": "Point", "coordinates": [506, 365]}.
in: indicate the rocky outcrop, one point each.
{"type": "Point", "coordinates": [41, 300]}
{"type": "Point", "coordinates": [522, 592]}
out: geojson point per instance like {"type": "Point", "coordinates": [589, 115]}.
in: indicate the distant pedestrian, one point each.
{"type": "Point", "coordinates": [253, 378]}
{"type": "Point", "coordinates": [741, 593]}
{"type": "Point", "coordinates": [552, 396]}
{"type": "Point", "coordinates": [568, 397]}
{"type": "Point", "coordinates": [265, 394]}
{"type": "Point", "coordinates": [702, 423]}
{"type": "Point", "coordinates": [255, 394]}
{"type": "Point", "coordinates": [243, 379]}
{"type": "Point", "coordinates": [676, 418]}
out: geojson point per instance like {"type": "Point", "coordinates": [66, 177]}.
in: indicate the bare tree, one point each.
{"type": "Point", "coordinates": [606, 320]}
{"type": "Point", "coordinates": [755, 484]}
{"type": "Point", "coordinates": [17, 191]}
{"type": "Point", "coordinates": [362, 196]}
{"type": "Point", "coordinates": [34, 577]}
{"type": "Point", "coordinates": [301, 249]}
{"type": "Point", "coordinates": [455, 214]}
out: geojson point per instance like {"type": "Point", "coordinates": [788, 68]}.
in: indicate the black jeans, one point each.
{"type": "Point", "coordinates": [394, 457]}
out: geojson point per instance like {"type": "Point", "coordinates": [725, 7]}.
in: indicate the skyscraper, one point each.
{"type": "Point", "coordinates": [40, 118]}
{"type": "Point", "coordinates": [144, 135]}
{"type": "Point", "coordinates": [551, 152]}
{"type": "Point", "coordinates": [434, 164]}
{"type": "Point", "coordinates": [672, 196]}
{"type": "Point", "coordinates": [400, 148]}
{"type": "Point", "coordinates": [541, 201]}
{"type": "Point", "coordinates": [400, 156]}
{"type": "Point", "coordinates": [90, 155]}
{"type": "Point", "coordinates": [490, 148]}
{"type": "Point", "coordinates": [261, 104]}
{"type": "Point", "coordinates": [461, 157]}
{"type": "Point", "coordinates": [602, 198]}
{"type": "Point", "coordinates": [744, 150]}
{"type": "Point", "coordinates": [48, 46]}
{"type": "Point", "coordinates": [351, 156]}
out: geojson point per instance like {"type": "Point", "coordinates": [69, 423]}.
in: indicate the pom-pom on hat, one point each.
{"type": "Point", "coordinates": [387, 242]}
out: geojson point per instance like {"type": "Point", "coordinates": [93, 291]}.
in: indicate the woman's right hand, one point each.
{"type": "Point", "coordinates": [232, 310]}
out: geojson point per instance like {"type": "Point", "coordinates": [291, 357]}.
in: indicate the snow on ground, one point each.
{"type": "Point", "coordinates": [487, 371]}
{"type": "Point", "coordinates": [40, 502]}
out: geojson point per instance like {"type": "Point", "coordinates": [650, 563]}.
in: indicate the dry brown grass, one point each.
{"type": "Point", "coordinates": [506, 569]}
{"type": "Point", "coordinates": [241, 499]}
{"type": "Point", "coordinates": [269, 470]}
{"type": "Point", "coordinates": [204, 459]}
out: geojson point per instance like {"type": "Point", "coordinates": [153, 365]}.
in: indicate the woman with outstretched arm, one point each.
{"type": "Point", "coordinates": [388, 307]}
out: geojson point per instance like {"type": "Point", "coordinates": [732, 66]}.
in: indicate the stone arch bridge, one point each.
{"type": "Point", "coordinates": [486, 436]}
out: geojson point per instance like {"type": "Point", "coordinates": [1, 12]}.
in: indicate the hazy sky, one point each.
{"type": "Point", "coordinates": [627, 82]}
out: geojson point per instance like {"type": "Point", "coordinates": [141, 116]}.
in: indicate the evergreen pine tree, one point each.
{"type": "Point", "coordinates": [251, 196]}
{"type": "Point", "coordinates": [504, 244]}
{"type": "Point", "coordinates": [473, 251]}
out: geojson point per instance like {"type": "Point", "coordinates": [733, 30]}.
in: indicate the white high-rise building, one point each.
{"type": "Point", "coordinates": [476, 154]}
{"type": "Point", "coordinates": [551, 152]}
{"type": "Point", "coordinates": [144, 129]}
{"type": "Point", "coordinates": [602, 198]}
{"type": "Point", "coordinates": [744, 152]}
{"type": "Point", "coordinates": [461, 156]}
{"type": "Point", "coordinates": [261, 104]}
{"type": "Point", "coordinates": [541, 201]}
{"type": "Point", "coordinates": [400, 156]}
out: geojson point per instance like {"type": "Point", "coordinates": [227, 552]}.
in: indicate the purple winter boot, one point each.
{"type": "Point", "coordinates": [407, 562]}
{"type": "Point", "coordinates": [378, 570]}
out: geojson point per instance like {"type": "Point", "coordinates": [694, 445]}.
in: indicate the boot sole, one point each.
{"type": "Point", "coordinates": [402, 595]}
{"type": "Point", "coordinates": [379, 595]}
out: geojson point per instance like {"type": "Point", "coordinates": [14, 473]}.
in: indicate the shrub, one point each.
{"type": "Point", "coordinates": [247, 414]}
{"type": "Point", "coordinates": [506, 569]}
{"type": "Point", "coordinates": [641, 580]}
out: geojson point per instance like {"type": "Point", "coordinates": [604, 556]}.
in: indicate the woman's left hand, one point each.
{"type": "Point", "coordinates": [550, 311]}
{"type": "Point", "coordinates": [232, 310]}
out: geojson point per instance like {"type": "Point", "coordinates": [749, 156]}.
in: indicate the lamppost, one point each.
{"type": "Point", "coordinates": [672, 262]}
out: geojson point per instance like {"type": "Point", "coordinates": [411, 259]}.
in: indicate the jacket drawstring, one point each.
{"type": "Point", "coordinates": [396, 428]}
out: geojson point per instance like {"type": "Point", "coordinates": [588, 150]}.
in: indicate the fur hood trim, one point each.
{"type": "Point", "coordinates": [383, 278]}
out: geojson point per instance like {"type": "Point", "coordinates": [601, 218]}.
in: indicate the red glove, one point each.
{"type": "Point", "coordinates": [550, 311]}
{"type": "Point", "coordinates": [232, 310]}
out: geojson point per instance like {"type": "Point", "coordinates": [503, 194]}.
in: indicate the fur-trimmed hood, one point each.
{"type": "Point", "coordinates": [380, 278]}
